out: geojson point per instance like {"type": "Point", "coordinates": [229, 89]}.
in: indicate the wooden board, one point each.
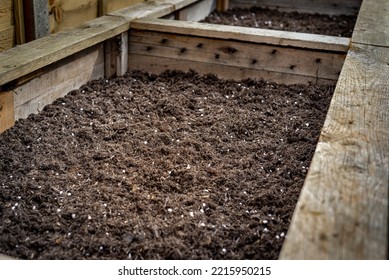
{"type": "Point", "coordinates": [246, 34]}
{"type": "Point", "coordinates": [58, 79]}
{"type": "Point", "coordinates": [152, 9]}
{"type": "Point", "coordinates": [6, 14]}
{"type": "Point", "coordinates": [7, 30]}
{"type": "Point", "coordinates": [116, 56]}
{"type": "Point", "coordinates": [27, 58]}
{"type": "Point", "coordinates": [24, 59]}
{"type": "Point", "coordinates": [223, 5]}
{"type": "Point", "coordinates": [264, 57]}
{"type": "Point", "coordinates": [67, 14]}
{"type": "Point", "coordinates": [331, 7]}
{"type": "Point", "coordinates": [373, 23]}
{"type": "Point", "coordinates": [7, 38]}
{"type": "Point", "coordinates": [343, 209]}
{"type": "Point", "coordinates": [258, 52]}
{"type": "Point", "coordinates": [114, 5]}
{"type": "Point", "coordinates": [20, 32]}
{"type": "Point", "coordinates": [161, 64]}
{"type": "Point", "coordinates": [7, 116]}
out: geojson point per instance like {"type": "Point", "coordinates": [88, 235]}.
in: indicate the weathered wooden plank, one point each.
{"type": "Point", "coordinates": [265, 57]}
{"type": "Point", "coordinates": [122, 57]}
{"type": "Point", "coordinates": [343, 209]}
{"type": "Point", "coordinates": [197, 11]}
{"type": "Point", "coordinates": [7, 30]}
{"type": "Point", "coordinates": [7, 38]}
{"type": "Point", "coordinates": [373, 23]}
{"type": "Point", "coordinates": [59, 73]}
{"type": "Point", "coordinates": [6, 12]}
{"type": "Point", "coordinates": [102, 4]}
{"type": "Point", "coordinates": [58, 79]}
{"type": "Point", "coordinates": [223, 5]}
{"type": "Point", "coordinates": [7, 116]}
{"type": "Point", "coordinates": [110, 56]}
{"type": "Point", "coordinates": [114, 5]}
{"type": "Point", "coordinates": [158, 65]}
{"type": "Point", "coordinates": [152, 9]}
{"type": "Point", "coordinates": [20, 34]}
{"type": "Point", "coordinates": [25, 59]}
{"type": "Point", "coordinates": [330, 7]}
{"type": "Point", "coordinates": [255, 35]}
{"type": "Point", "coordinates": [67, 14]}
{"type": "Point", "coordinates": [116, 56]}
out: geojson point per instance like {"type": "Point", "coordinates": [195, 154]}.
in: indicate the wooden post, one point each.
{"type": "Point", "coordinates": [36, 16]}
{"type": "Point", "coordinates": [19, 22]}
{"type": "Point", "coordinates": [102, 7]}
{"type": "Point", "coordinates": [7, 115]}
{"type": "Point", "coordinates": [223, 5]}
{"type": "Point", "coordinates": [123, 58]}
{"type": "Point", "coordinates": [116, 56]}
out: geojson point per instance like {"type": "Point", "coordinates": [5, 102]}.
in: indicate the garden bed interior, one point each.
{"type": "Point", "coordinates": [157, 166]}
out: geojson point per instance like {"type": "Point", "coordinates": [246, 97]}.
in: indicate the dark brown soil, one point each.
{"type": "Point", "coordinates": [177, 166]}
{"type": "Point", "coordinates": [289, 21]}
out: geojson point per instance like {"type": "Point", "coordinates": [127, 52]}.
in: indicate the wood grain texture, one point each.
{"type": "Point", "coordinates": [372, 25]}
{"type": "Point", "coordinates": [158, 65]}
{"type": "Point", "coordinates": [6, 14]}
{"type": "Point", "coordinates": [67, 14]}
{"type": "Point", "coordinates": [27, 58]}
{"type": "Point", "coordinates": [7, 29]}
{"type": "Point", "coordinates": [116, 56]}
{"type": "Point", "coordinates": [255, 35]}
{"type": "Point", "coordinates": [102, 6]}
{"type": "Point", "coordinates": [7, 116]}
{"type": "Point", "coordinates": [223, 5]}
{"type": "Point", "coordinates": [7, 38]}
{"type": "Point", "coordinates": [114, 5]}
{"type": "Point", "coordinates": [330, 7]}
{"type": "Point", "coordinates": [20, 34]}
{"type": "Point", "coordinates": [343, 209]}
{"type": "Point", "coordinates": [57, 80]}
{"type": "Point", "coordinates": [152, 9]}
{"type": "Point", "coordinates": [264, 57]}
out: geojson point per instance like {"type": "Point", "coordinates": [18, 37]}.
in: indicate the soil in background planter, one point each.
{"type": "Point", "coordinates": [177, 166]}
{"type": "Point", "coordinates": [289, 21]}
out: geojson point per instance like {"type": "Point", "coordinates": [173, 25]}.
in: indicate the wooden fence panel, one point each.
{"type": "Point", "coordinates": [7, 29]}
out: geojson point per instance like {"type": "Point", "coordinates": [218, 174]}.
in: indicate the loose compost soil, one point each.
{"type": "Point", "coordinates": [289, 21]}
{"type": "Point", "coordinates": [176, 166]}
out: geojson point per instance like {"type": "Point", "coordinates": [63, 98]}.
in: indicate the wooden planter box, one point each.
{"type": "Point", "coordinates": [342, 212]}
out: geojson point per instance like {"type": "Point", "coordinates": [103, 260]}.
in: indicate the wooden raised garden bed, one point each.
{"type": "Point", "coordinates": [342, 212]}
